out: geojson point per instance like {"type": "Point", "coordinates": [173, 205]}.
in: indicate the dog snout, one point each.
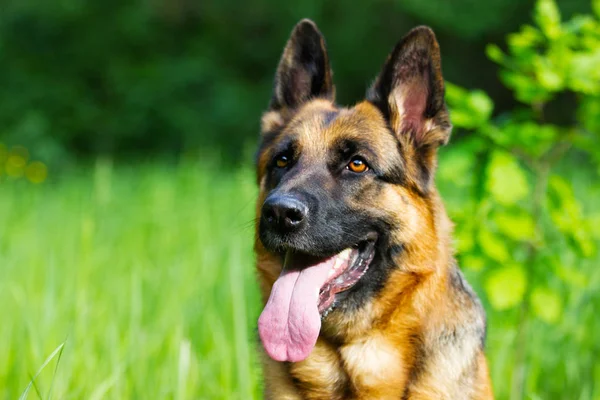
{"type": "Point", "coordinates": [284, 213]}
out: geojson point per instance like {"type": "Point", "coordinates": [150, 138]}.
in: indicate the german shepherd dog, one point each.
{"type": "Point", "coordinates": [363, 298]}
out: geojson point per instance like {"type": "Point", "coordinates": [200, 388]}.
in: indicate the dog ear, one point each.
{"type": "Point", "coordinates": [303, 73]}
{"type": "Point", "coordinates": [409, 91]}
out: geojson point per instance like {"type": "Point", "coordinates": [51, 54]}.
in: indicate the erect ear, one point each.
{"type": "Point", "coordinates": [303, 73]}
{"type": "Point", "coordinates": [409, 91]}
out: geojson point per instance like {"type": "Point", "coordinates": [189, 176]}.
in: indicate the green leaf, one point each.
{"type": "Point", "coordinates": [596, 7]}
{"type": "Point", "coordinates": [532, 138]}
{"type": "Point", "coordinates": [584, 72]}
{"type": "Point", "coordinates": [546, 304]}
{"type": "Point", "coordinates": [472, 262]}
{"type": "Point", "coordinates": [468, 109]}
{"type": "Point", "coordinates": [517, 225]}
{"type": "Point", "coordinates": [582, 239]}
{"type": "Point", "coordinates": [572, 275]}
{"type": "Point", "coordinates": [506, 180]}
{"type": "Point", "coordinates": [588, 115]}
{"type": "Point", "coordinates": [562, 188]}
{"type": "Point", "coordinates": [565, 210]}
{"type": "Point", "coordinates": [547, 16]}
{"type": "Point", "coordinates": [566, 213]}
{"type": "Point", "coordinates": [497, 135]}
{"type": "Point", "coordinates": [580, 24]}
{"type": "Point", "coordinates": [458, 166]}
{"type": "Point", "coordinates": [527, 38]}
{"type": "Point", "coordinates": [493, 246]}
{"type": "Point", "coordinates": [465, 241]}
{"type": "Point", "coordinates": [526, 87]}
{"type": "Point", "coordinates": [481, 102]}
{"type": "Point", "coordinates": [494, 53]}
{"type": "Point", "coordinates": [549, 75]}
{"type": "Point", "coordinates": [505, 287]}
{"type": "Point", "coordinates": [593, 224]}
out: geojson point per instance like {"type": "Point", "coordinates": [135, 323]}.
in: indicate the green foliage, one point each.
{"type": "Point", "coordinates": [89, 77]}
{"type": "Point", "coordinates": [552, 57]}
{"type": "Point", "coordinates": [506, 286]}
{"type": "Point", "coordinates": [470, 109]}
{"type": "Point", "coordinates": [505, 179]}
{"type": "Point", "coordinates": [533, 233]}
{"type": "Point", "coordinates": [547, 304]}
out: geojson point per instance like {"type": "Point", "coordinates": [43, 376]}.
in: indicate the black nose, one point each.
{"type": "Point", "coordinates": [284, 212]}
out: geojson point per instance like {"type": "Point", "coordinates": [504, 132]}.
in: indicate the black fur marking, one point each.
{"type": "Point", "coordinates": [456, 279]}
{"type": "Point", "coordinates": [419, 365]}
{"type": "Point", "coordinates": [343, 150]}
{"type": "Point", "coordinates": [394, 176]}
{"type": "Point", "coordinates": [425, 169]}
{"type": "Point", "coordinates": [394, 250]}
{"type": "Point", "coordinates": [483, 336]}
{"type": "Point", "coordinates": [289, 148]}
{"type": "Point", "coordinates": [397, 176]}
{"type": "Point", "coordinates": [464, 291]}
{"type": "Point", "coordinates": [267, 140]}
{"type": "Point", "coordinates": [435, 101]}
{"type": "Point", "coordinates": [297, 382]}
{"type": "Point", "coordinates": [311, 61]}
{"type": "Point", "coordinates": [347, 392]}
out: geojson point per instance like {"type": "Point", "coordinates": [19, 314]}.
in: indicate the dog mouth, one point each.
{"type": "Point", "coordinates": [349, 267]}
{"type": "Point", "coordinates": [304, 293]}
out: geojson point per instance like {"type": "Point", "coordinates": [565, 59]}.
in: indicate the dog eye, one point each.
{"type": "Point", "coordinates": [358, 165]}
{"type": "Point", "coordinates": [282, 161]}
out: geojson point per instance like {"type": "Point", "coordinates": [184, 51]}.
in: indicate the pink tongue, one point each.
{"type": "Point", "coordinates": [290, 323]}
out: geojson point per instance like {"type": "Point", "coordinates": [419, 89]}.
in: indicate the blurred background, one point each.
{"type": "Point", "coordinates": [127, 133]}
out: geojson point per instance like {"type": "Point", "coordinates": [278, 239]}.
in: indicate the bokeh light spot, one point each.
{"type": "Point", "coordinates": [36, 172]}
{"type": "Point", "coordinates": [15, 165]}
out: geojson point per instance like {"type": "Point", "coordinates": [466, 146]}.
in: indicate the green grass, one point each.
{"type": "Point", "coordinates": [146, 275]}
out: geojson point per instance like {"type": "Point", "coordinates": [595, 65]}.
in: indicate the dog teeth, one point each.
{"type": "Point", "coordinates": [345, 254]}
{"type": "Point", "coordinates": [337, 263]}
{"type": "Point", "coordinates": [340, 260]}
{"type": "Point", "coordinates": [326, 312]}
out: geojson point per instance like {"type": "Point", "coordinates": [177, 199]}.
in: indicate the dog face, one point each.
{"type": "Point", "coordinates": [343, 191]}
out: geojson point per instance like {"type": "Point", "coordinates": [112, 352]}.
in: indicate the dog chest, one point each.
{"type": "Point", "coordinates": [376, 367]}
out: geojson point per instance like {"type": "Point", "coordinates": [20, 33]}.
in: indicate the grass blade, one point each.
{"type": "Point", "coordinates": [35, 386]}
{"type": "Point", "coordinates": [56, 351]}
{"type": "Point", "coordinates": [55, 371]}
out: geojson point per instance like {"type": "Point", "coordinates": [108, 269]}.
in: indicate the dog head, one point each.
{"type": "Point", "coordinates": [343, 191]}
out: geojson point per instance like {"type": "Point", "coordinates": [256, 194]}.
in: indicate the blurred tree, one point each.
{"type": "Point", "coordinates": [87, 77]}
{"type": "Point", "coordinates": [523, 201]}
